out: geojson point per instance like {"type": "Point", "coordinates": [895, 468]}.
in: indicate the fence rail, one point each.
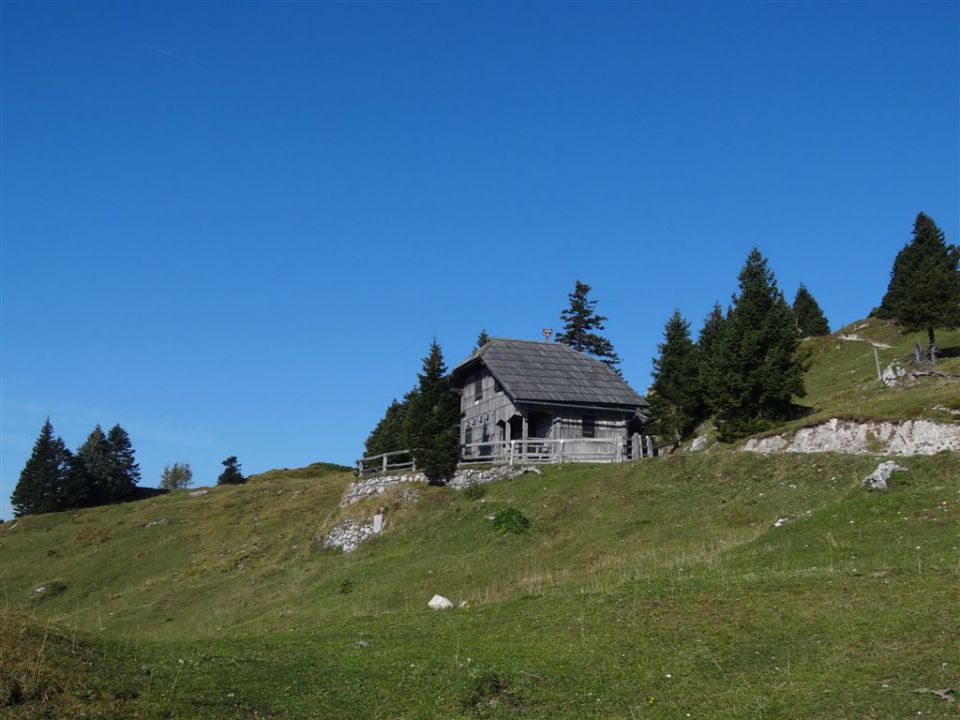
{"type": "Point", "coordinates": [542, 450]}
{"type": "Point", "coordinates": [398, 460]}
{"type": "Point", "coordinates": [530, 451]}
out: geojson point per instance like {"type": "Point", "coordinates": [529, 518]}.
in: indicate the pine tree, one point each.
{"type": "Point", "coordinates": [482, 339]}
{"type": "Point", "coordinates": [924, 289]}
{"type": "Point", "coordinates": [579, 322]}
{"type": "Point", "coordinates": [676, 402]}
{"type": "Point", "coordinates": [231, 474]}
{"type": "Point", "coordinates": [756, 370]}
{"type": "Point", "coordinates": [124, 473]}
{"type": "Point", "coordinates": [44, 475]}
{"type": "Point", "coordinates": [89, 480]}
{"type": "Point", "coordinates": [176, 476]}
{"type": "Point", "coordinates": [432, 422]}
{"type": "Point", "coordinates": [811, 321]}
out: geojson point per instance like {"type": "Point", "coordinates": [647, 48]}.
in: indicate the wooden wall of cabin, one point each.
{"type": "Point", "coordinates": [483, 408]}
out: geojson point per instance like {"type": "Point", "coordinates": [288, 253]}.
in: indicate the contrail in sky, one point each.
{"type": "Point", "coordinates": [172, 55]}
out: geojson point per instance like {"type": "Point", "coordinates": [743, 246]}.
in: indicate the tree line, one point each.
{"type": "Point", "coordinates": [745, 369]}
{"type": "Point", "coordinates": [102, 471]}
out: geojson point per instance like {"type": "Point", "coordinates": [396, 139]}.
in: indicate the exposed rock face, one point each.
{"type": "Point", "coordinates": [348, 535]}
{"type": "Point", "coordinates": [351, 532]}
{"type": "Point", "coordinates": [911, 437]}
{"type": "Point", "coordinates": [772, 444]}
{"type": "Point", "coordinates": [877, 480]}
{"type": "Point", "coordinates": [699, 443]}
{"type": "Point", "coordinates": [371, 487]}
{"type": "Point", "coordinates": [469, 476]}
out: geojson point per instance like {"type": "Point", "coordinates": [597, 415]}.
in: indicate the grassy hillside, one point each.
{"type": "Point", "coordinates": [842, 380]}
{"type": "Point", "coordinates": [658, 589]}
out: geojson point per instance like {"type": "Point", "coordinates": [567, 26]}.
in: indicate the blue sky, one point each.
{"type": "Point", "coordinates": [234, 228]}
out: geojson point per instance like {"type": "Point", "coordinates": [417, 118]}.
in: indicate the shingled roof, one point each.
{"type": "Point", "coordinates": [532, 371]}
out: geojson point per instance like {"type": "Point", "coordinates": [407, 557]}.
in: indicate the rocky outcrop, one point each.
{"type": "Point", "coordinates": [877, 480]}
{"type": "Point", "coordinates": [910, 437]}
{"type": "Point", "coordinates": [348, 535]}
{"type": "Point", "coordinates": [378, 485]}
{"type": "Point", "coordinates": [351, 532]}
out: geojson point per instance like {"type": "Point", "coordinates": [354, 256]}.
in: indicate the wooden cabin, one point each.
{"type": "Point", "coordinates": [528, 401]}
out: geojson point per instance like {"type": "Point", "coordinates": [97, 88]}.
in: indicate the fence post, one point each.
{"type": "Point", "coordinates": [618, 450]}
{"type": "Point", "coordinates": [385, 462]}
{"type": "Point", "coordinates": [513, 445]}
{"type": "Point", "coordinates": [360, 468]}
{"type": "Point", "coordinates": [561, 452]}
{"type": "Point", "coordinates": [650, 447]}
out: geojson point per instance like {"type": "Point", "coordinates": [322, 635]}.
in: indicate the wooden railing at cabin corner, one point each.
{"type": "Point", "coordinates": [383, 462]}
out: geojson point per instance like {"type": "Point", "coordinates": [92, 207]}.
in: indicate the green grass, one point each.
{"type": "Point", "coordinates": [657, 589]}
{"type": "Point", "coordinates": [842, 380]}
{"type": "Point", "coordinates": [626, 575]}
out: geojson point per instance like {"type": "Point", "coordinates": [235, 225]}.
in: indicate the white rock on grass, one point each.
{"type": "Point", "coordinates": [439, 602]}
{"type": "Point", "coordinates": [877, 480]}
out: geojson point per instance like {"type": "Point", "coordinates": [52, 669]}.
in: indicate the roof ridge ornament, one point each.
{"type": "Point", "coordinates": [547, 332]}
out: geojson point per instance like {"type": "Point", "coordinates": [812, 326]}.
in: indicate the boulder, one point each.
{"type": "Point", "coordinates": [877, 480]}
{"type": "Point", "coordinates": [439, 602]}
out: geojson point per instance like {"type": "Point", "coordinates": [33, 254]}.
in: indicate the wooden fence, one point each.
{"type": "Point", "coordinates": [399, 460]}
{"type": "Point", "coordinates": [525, 452]}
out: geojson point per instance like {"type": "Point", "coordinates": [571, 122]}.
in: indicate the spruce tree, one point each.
{"type": "Point", "coordinates": [44, 475]}
{"type": "Point", "coordinates": [579, 322]}
{"type": "Point", "coordinates": [708, 344]}
{"type": "Point", "coordinates": [89, 480]}
{"type": "Point", "coordinates": [231, 474]}
{"type": "Point", "coordinates": [811, 322]}
{"type": "Point", "coordinates": [675, 399]}
{"type": "Point", "coordinates": [757, 370]}
{"type": "Point", "coordinates": [482, 339]}
{"type": "Point", "coordinates": [124, 473]}
{"type": "Point", "coordinates": [432, 422]}
{"type": "Point", "coordinates": [389, 434]}
{"type": "Point", "coordinates": [924, 289]}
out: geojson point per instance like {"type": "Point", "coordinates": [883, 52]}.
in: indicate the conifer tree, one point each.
{"type": "Point", "coordinates": [675, 399]}
{"type": "Point", "coordinates": [924, 289]}
{"type": "Point", "coordinates": [811, 322]}
{"type": "Point", "coordinates": [756, 370]}
{"type": "Point", "coordinates": [432, 422]}
{"type": "Point", "coordinates": [482, 339]}
{"type": "Point", "coordinates": [124, 473]}
{"type": "Point", "coordinates": [231, 474]}
{"type": "Point", "coordinates": [389, 435]}
{"type": "Point", "coordinates": [708, 343]}
{"type": "Point", "coordinates": [579, 322]}
{"type": "Point", "coordinates": [43, 477]}
{"type": "Point", "coordinates": [89, 480]}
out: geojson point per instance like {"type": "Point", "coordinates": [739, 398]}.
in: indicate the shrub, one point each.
{"type": "Point", "coordinates": [474, 491]}
{"type": "Point", "coordinates": [510, 520]}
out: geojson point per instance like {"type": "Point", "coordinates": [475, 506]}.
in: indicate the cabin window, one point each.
{"type": "Point", "coordinates": [478, 391]}
{"type": "Point", "coordinates": [588, 424]}
{"type": "Point", "coordinates": [468, 436]}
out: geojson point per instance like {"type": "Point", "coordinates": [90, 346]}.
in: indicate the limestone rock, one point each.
{"type": "Point", "coordinates": [877, 480]}
{"type": "Point", "coordinates": [699, 443]}
{"type": "Point", "coordinates": [439, 602]}
{"type": "Point", "coordinates": [772, 444]}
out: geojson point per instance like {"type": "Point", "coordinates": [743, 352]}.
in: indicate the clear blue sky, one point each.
{"type": "Point", "coordinates": [234, 228]}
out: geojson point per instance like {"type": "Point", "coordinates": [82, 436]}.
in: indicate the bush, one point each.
{"type": "Point", "coordinates": [510, 520]}
{"type": "Point", "coordinates": [474, 491]}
